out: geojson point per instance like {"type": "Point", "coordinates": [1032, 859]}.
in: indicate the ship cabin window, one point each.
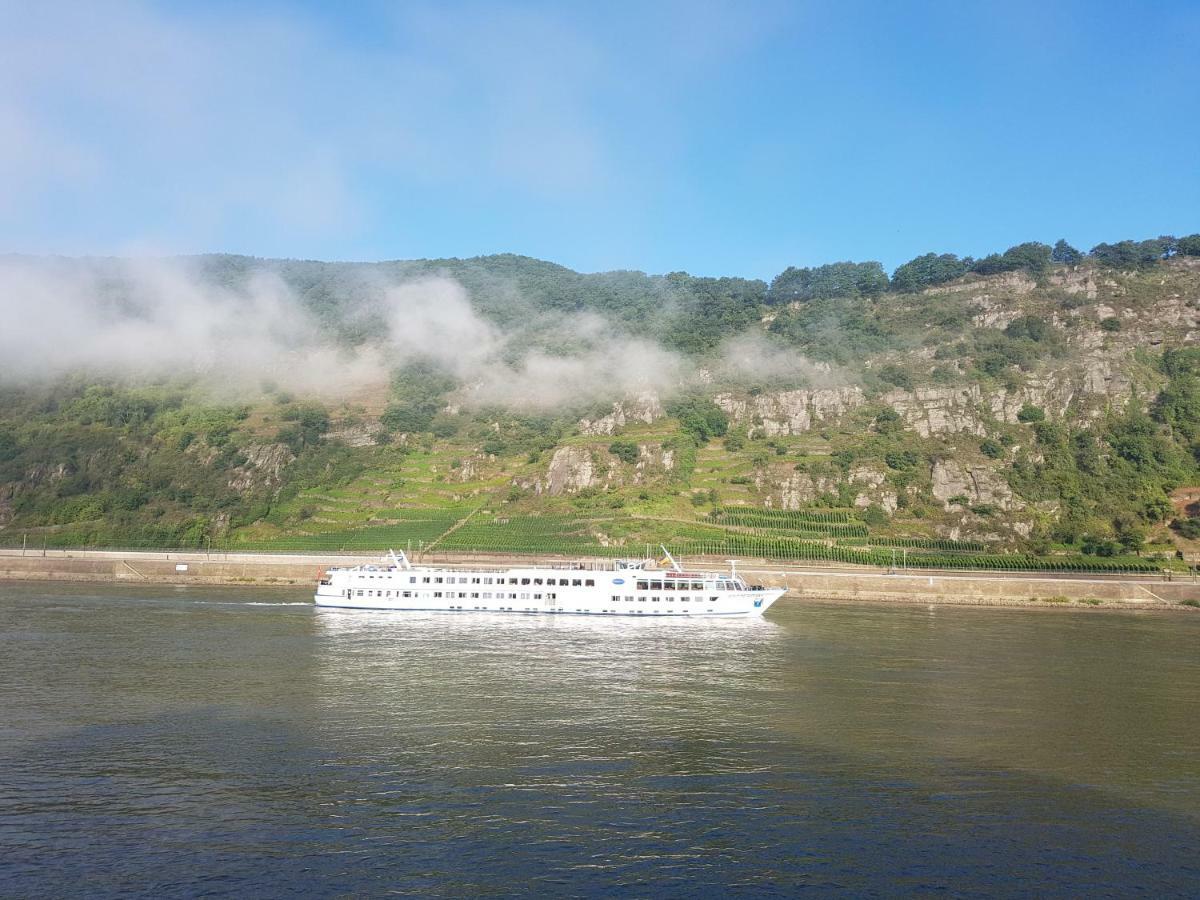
{"type": "Point", "coordinates": [656, 585]}
{"type": "Point", "coordinates": [591, 582]}
{"type": "Point", "coordinates": [537, 596]}
{"type": "Point", "coordinates": [360, 593]}
{"type": "Point", "coordinates": [641, 599]}
{"type": "Point", "coordinates": [643, 586]}
{"type": "Point", "coordinates": [671, 586]}
{"type": "Point", "coordinates": [524, 581]}
{"type": "Point", "coordinates": [552, 596]}
{"type": "Point", "coordinates": [512, 581]}
{"type": "Point", "coordinates": [437, 593]}
{"type": "Point", "coordinates": [474, 581]}
{"type": "Point", "coordinates": [657, 599]}
{"type": "Point", "coordinates": [616, 599]}
{"type": "Point", "coordinates": [474, 595]}
{"type": "Point", "coordinates": [412, 579]}
{"type": "Point", "coordinates": [487, 581]}
{"type": "Point", "coordinates": [672, 599]}
{"type": "Point", "coordinates": [628, 599]}
{"type": "Point", "coordinates": [425, 580]}
{"type": "Point", "coordinates": [713, 599]}
{"type": "Point", "coordinates": [697, 585]}
{"type": "Point", "coordinates": [525, 596]}
{"type": "Point", "coordinates": [537, 581]}
{"type": "Point", "coordinates": [408, 593]}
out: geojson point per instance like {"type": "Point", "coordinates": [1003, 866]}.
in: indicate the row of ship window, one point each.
{"type": "Point", "coordinates": [486, 579]}
{"type": "Point", "coordinates": [475, 595]}
{"type": "Point", "coordinates": [488, 595]}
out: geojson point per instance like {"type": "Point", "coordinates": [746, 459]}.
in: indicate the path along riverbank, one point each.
{"type": "Point", "coordinates": [802, 581]}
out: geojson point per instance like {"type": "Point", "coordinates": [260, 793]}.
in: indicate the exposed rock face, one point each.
{"type": "Point", "coordinates": [950, 410]}
{"type": "Point", "coordinates": [572, 469]}
{"type": "Point", "coordinates": [653, 460]}
{"type": "Point", "coordinates": [938, 410]}
{"type": "Point", "coordinates": [362, 435]}
{"type": "Point", "coordinates": [263, 467]}
{"type": "Point", "coordinates": [875, 489]}
{"type": "Point", "coordinates": [789, 412]}
{"type": "Point", "coordinates": [645, 408]}
{"type": "Point", "coordinates": [977, 483]}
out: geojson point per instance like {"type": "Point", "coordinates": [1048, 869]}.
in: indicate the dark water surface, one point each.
{"type": "Point", "coordinates": [169, 742]}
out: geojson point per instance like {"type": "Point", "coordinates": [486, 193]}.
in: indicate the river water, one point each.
{"type": "Point", "coordinates": [165, 741]}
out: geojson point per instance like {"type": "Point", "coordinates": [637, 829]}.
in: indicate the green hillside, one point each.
{"type": "Point", "coordinates": [1037, 408]}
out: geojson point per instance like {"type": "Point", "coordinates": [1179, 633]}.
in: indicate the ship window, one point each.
{"type": "Point", "coordinates": [697, 586]}
{"type": "Point", "coordinates": [487, 581]}
{"type": "Point", "coordinates": [656, 599]}
{"type": "Point", "coordinates": [575, 582]}
{"type": "Point", "coordinates": [360, 593]}
{"type": "Point", "coordinates": [412, 579]}
{"type": "Point", "coordinates": [474, 595]}
{"type": "Point", "coordinates": [537, 581]}
{"type": "Point", "coordinates": [628, 599]}
{"type": "Point", "coordinates": [537, 596]}
{"type": "Point", "coordinates": [408, 593]}
{"type": "Point", "coordinates": [616, 599]}
{"type": "Point", "coordinates": [437, 593]}
{"type": "Point", "coordinates": [713, 599]}
{"type": "Point", "coordinates": [643, 586]}
{"type": "Point", "coordinates": [656, 585]}
{"type": "Point", "coordinates": [474, 581]}
{"type": "Point", "coordinates": [591, 582]}
{"type": "Point", "coordinates": [552, 596]}
{"type": "Point", "coordinates": [525, 596]}
{"type": "Point", "coordinates": [672, 599]}
{"type": "Point", "coordinates": [524, 581]}
{"type": "Point", "coordinates": [641, 599]}
{"type": "Point", "coordinates": [670, 586]}
{"type": "Point", "coordinates": [425, 580]}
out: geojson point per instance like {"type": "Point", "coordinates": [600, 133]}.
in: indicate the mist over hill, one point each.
{"type": "Point", "coordinates": [1039, 400]}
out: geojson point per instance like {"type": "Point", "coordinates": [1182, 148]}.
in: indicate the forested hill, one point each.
{"type": "Point", "coordinates": [1036, 407]}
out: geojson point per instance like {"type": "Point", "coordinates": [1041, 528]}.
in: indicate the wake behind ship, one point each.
{"type": "Point", "coordinates": [626, 588]}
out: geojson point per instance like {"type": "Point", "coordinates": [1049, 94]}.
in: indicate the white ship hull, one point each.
{"type": "Point", "coordinates": [570, 591]}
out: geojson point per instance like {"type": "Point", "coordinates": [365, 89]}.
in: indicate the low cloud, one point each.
{"type": "Point", "coordinates": [168, 318]}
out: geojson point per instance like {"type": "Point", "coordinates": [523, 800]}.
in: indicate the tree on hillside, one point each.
{"type": "Point", "coordinates": [1032, 257]}
{"type": "Point", "coordinates": [927, 270]}
{"type": "Point", "coordinates": [842, 279]}
{"type": "Point", "coordinates": [1065, 253]}
{"type": "Point", "coordinates": [1132, 254]}
{"type": "Point", "coordinates": [1189, 245]}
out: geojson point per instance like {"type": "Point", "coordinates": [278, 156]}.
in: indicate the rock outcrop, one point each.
{"type": "Point", "coordinates": [789, 412]}
{"type": "Point", "coordinates": [979, 484]}
{"type": "Point", "coordinates": [263, 467]}
{"type": "Point", "coordinates": [645, 408]}
{"type": "Point", "coordinates": [364, 434]}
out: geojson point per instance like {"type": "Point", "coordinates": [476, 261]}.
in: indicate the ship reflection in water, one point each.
{"type": "Point", "coordinates": [165, 742]}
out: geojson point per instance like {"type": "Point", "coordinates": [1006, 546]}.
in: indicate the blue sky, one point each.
{"type": "Point", "coordinates": [716, 138]}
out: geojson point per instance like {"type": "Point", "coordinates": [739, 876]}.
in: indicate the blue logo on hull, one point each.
{"type": "Point", "coordinates": [757, 604]}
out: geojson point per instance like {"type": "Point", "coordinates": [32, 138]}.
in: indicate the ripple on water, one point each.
{"type": "Point", "coordinates": [166, 742]}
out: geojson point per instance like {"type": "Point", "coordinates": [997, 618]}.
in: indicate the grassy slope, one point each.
{"type": "Point", "coordinates": [162, 476]}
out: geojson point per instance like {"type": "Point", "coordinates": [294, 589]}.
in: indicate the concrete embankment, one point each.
{"type": "Point", "coordinates": [802, 581]}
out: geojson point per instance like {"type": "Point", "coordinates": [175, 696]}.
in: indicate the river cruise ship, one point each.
{"type": "Point", "coordinates": [624, 588]}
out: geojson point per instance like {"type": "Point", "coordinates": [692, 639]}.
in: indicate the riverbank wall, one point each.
{"type": "Point", "coordinates": [802, 582]}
